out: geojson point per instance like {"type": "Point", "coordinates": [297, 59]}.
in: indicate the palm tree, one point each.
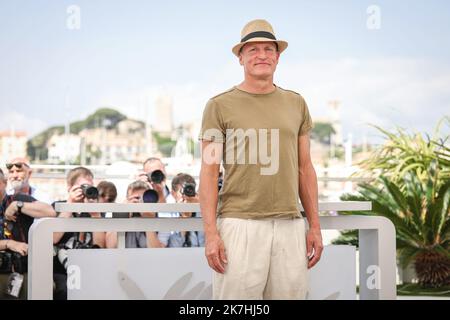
{"type": "Point", "coordinates": [411, 187]}
{"type": "Point", "coordinates": [403, 152]}
{"type": "Point", "coordinates": [421, 215]}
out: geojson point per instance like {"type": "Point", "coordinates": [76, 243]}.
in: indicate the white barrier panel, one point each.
{"type": "Point", "coordinates": [377, 253]}
{"type": "Point", "coordinates": [181, 273]}
{"type": "Point", "coordinates": [334, 276]}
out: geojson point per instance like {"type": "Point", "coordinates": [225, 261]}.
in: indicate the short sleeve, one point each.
{"type": "Point", "coordinates": [307, 123]}
{"type": "Point", "coordinates": [213, 128]}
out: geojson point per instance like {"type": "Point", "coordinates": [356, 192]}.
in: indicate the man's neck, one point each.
{"type": "Point", "coordinates": [258, 86]}
{"type": "Point", "coordinates": [25, 190]}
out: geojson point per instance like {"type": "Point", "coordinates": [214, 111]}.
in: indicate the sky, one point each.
{"type": "Point", "coordinates": [125, 53]}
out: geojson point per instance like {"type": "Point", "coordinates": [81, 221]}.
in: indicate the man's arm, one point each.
{"type": "Point", "coordinates": [111, 239]}
{"type": "Point", "coordinates": [75, 196]}
{"type": "Point", "coordinates": [34, 209]}
{"type": "Point", "coordinates": [208, 194]}
{"type": "Point", "coordinates": [308, 192]}
{"type": "Point", "coordinates": [16, 246]}
{"type": "Point", "coordinates": [99, 239]}
{"type": "Point", "coordinates": [153, 240]}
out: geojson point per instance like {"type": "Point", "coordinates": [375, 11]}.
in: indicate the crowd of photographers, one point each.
{"type": "Point", "coordinates": [21, 203]}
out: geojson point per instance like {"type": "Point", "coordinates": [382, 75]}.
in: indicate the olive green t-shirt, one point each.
{"type": "Point", "coordinates": [259, 133]}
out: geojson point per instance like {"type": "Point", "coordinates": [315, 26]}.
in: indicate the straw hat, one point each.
{"type": "Point", "coordinates": [258, 30]}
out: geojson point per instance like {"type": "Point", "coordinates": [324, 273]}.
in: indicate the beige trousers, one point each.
{"type": "Point", "coordinates": [266, 259]}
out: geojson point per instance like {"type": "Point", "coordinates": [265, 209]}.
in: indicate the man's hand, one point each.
{"type": "Point", "coordinates": [314, 246]}
{"type": "Point", "coordinates": [158, 187]}
{"type": "Point", "coordinates": [75, 195]}
{"type": "Point", "coordinates": [142, 176]}
{"type": "Point", "coordinates": [19, 247]}
{"type": "Point", "coordinates": [215, 253]}
{"type": "Point", "coordinates": [194, 199]}
{"type": "Point", "coordinates": [11, 211]}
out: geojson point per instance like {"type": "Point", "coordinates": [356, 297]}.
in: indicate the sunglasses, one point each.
{"type": "Point", "coordinates": [18, 165]}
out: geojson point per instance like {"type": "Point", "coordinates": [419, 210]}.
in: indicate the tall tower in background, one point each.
{"type": "Point", "coordinates": [163, 123]}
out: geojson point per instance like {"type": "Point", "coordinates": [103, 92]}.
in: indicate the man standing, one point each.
{"type": "Point", "coordinates": [79, 180]}
{"type": "Point", "coordinates": [155, 165]}
{"type": "Point", "coordinates": [19, 173]}
{"type": "Point", "coordinates": [151, 165]}
{"type": "Point", "coordinates": [17, 213]}
{"type": "Point", "coordinates": [258, 245]}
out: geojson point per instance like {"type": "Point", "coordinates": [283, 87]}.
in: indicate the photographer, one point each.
{"type": "Point", "coordinates": [154, 175]}
{"type": "Point", "coordinates": [80, 186]}
{"type": "Point", "coordinates": [183, 191]}
{"type": "Point", "coordinates": [135, 192]}
{"type": "Point", "coordinates": [19, 174]}
{"type": "Point", "coordinates": [107, 193]}
{"type": "Point", "coordinates": [17, 213]}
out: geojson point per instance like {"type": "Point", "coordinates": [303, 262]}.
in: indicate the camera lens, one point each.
{"type": "Point", "coordinates": [157, 176]}
{"type": "Point", "coordinates": [189, 189]}
{"type": "Point", "coordinates": [89, 191]}
{"type": "Point", "coordinates": [150, 196]}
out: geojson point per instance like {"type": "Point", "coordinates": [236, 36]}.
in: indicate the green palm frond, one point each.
{"type": "Point", "coordinates": [410, 185]}
{"type": "Point", "coordinates": [403, 152]}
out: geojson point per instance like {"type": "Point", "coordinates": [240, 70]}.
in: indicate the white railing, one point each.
{"type": "Point", "coordinates": [377, 257]}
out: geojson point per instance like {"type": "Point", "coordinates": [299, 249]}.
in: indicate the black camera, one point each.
{"type": "Point", "coordinates": [5, 262]}
{"type": "Point", "coordinates": [63, 253]}
{"type": "Point", "coordinates": [83, 215]}
{"type": "Point", "coordinates": [156, 176]}
{"type": "Point", "coordinates": [90, 192]}
{"type": "Point", "coordinates": [13, 260]}
{"type": "Point", "coordinates": [188, 189]}
{"type": "Point", "coordinates": [150, 196]}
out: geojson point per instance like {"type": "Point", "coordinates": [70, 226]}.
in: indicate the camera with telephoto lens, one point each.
{"type": "Point", "coordinates": [63, 256]}
{"type": "Point", "coordinates": [156, 176]}
{"type": "Point", "coordinates": [5, 262]}
{"type": "Point", "coordinates": [90, 192]}
{"type": "Point", "coordinates": [62, 251]}
{"type": "Point", "coordinates": [188, 189]}
{"type": "Point", "coordinates": [150, 196]}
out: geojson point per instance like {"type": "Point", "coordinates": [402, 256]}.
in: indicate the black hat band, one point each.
{"type": "Point", "coordinates": [259, 34]}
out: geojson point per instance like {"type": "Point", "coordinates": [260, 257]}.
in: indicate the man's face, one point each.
{"type": "Point", "coordinates": [104, 198]}
{"type": "Point", "coordinates": [176, 193]}
{"type": "Point", "coordinates": [84, 180]}
{"type": "Point", "coordinates": [19, 175]}
{"type": "Point", "coordinates": [259, 59]}
{"type": "Point", "coordinates": [154, 165]}
{"type": "Point", "coordinates": [135, 196]}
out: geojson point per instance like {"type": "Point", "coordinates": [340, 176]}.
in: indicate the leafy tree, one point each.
{"type": "Point", "coordinates": [322, 132]}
